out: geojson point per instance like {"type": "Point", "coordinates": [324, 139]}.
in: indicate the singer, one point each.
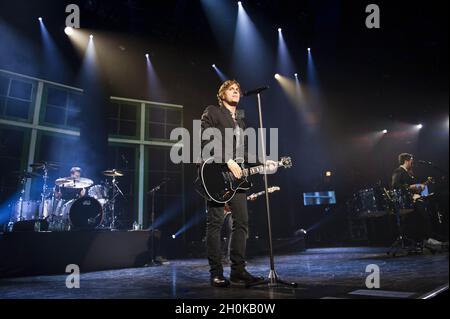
{"type": "Point", "coordinates": [222, 117]}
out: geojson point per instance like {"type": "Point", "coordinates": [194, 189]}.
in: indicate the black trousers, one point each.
{"type": "Point", "coordinates": [239, 234]}
{"type": "Point", "coordinates": [227, 229]}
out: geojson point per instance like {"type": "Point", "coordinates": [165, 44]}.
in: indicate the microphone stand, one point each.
{"type": "Point", "coordinates": [153, 191]}
{"type": "Point", "coordinates": [273, 280]}
{"type": "Point", "coordinates": [432, 165]}
{"type": "Point", "coordinates": [116, 192]}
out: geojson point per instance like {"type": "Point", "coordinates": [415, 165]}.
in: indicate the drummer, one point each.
{"type": "Point", "coordinates": [71, 193]}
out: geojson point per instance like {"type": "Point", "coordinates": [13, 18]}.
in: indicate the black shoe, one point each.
{"type": "Point", "coordinates": [245, 278]}
{"type": "Point", "coordinates": [220, 282]}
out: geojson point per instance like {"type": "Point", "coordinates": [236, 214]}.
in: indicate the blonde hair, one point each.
{"type": "Point", "coordinates": [225, 86]}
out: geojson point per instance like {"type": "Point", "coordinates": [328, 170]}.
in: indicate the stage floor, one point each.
{"type": "Point", "coordinates": [320, 273]}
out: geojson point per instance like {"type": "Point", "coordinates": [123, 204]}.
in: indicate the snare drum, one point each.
{"type": "Point", "coordinates": [370, 202]}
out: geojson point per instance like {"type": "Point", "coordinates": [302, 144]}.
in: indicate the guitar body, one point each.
{"type": "Point", "coordinates": [219, 183]}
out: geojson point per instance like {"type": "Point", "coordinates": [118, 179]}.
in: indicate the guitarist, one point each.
{"type": "Point", "coordinates": [403, 178]}
{"type": "Point", "coordinates": [221, 117]}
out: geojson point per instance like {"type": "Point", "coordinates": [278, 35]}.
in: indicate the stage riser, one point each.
{"type": "Point", "coordinates": [43, 253]}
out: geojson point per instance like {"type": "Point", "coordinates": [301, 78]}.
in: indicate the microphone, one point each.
{"type": "Point", "coordinates": [425, 162]}
{"type": "Point", "coordinates": [124, 158]}
{"type": "Point", "coordinates": [91, 221]}
{"type": "Point", "coordinates": [256, 91]}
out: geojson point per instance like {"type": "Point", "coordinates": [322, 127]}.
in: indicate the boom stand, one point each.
{"type": "Point", "coordinates": [273, 280]}
{"type": "Point", "coordinates": [153, 191]}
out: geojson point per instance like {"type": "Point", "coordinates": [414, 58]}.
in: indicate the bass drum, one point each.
{"type": "Point", "coordinates": [85, 213]}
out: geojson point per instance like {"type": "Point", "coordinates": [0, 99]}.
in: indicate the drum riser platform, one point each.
{"type": "Point", "coordinates": [42, 253]}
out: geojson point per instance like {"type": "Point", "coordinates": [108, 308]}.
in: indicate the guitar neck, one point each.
{"type": "Point", "coordinates": [256, 170]}
{"type": "Point", "coordinates": [259, 194]}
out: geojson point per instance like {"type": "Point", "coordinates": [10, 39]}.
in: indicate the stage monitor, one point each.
{"type": "Point", "coordinates": [319, 198]}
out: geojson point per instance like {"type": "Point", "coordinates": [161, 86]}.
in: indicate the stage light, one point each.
{"type": "Point", "coordinates": [277, 76]}
{"type": "Point", "coordinates": [40, 19]}
{"type": "Point", "coordinates": [174, 236]}
{"type": "Point", "coordinates": [279, 29]}
{"type": "Point", "coordinates": [147, 55]}
{"type": "Point", "coordinates": [419, 126]}
{"type": "Point", "coordinates": [296, 75]}
{"type": "Point", "coordinates": [300, 233]}
{"type": "Point", "coordinates": [328, 174]}
{"type": "Point", "coordinates": [69, 31]}
{"type": "Point", "coordinates": [385, 131]}
{"type": "Point", "coordinates": [239, 3]}
{"type": "Point", "coordinates": [309, 49]}
{"type": "Point", "coordinates": [223, 77]}
{"type": "Point", "coordinates": [91, 37]}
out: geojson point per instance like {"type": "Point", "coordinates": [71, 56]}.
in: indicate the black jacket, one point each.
{"type": "Point", "coordinates": [401, 178]}
{"type": "Point", "coordinates": [221, 118]}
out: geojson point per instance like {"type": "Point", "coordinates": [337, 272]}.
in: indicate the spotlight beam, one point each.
{"type": "Point", "coordinates": [223, 77]}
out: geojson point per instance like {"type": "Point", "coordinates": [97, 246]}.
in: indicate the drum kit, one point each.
{"type": "Point", "coordinates": [378, 201]}
{"type": "Point", "coordinates": [74, 203]}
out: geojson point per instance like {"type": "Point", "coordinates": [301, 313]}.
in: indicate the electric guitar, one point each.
{"type": "Point", "coordinates": [420, 196]}
{"type": "Point", "coordinates": [271, 190]}
{"type": "Point", "coordinates": [221, 186]}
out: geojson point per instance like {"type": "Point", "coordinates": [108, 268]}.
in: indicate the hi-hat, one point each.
{"type": "Point", "coordinates": [41, 165]}
{"type": "Point", "coordinates": [113, 173]}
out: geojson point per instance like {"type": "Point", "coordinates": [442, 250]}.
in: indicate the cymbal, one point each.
{"type": "Point", "coordinates": [113, 173]}
{"type": "Point", "coordinates": [61, 181]}
{"type": "Point", "coordinates": [73, 182]}
{"type": "Point", "coordinates": [41, 165]}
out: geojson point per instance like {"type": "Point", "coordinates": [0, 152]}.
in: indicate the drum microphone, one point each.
{"type": "Point", "coordinates": [256, 91]}
{"type": "Point", "coordinates": [91, 221]}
